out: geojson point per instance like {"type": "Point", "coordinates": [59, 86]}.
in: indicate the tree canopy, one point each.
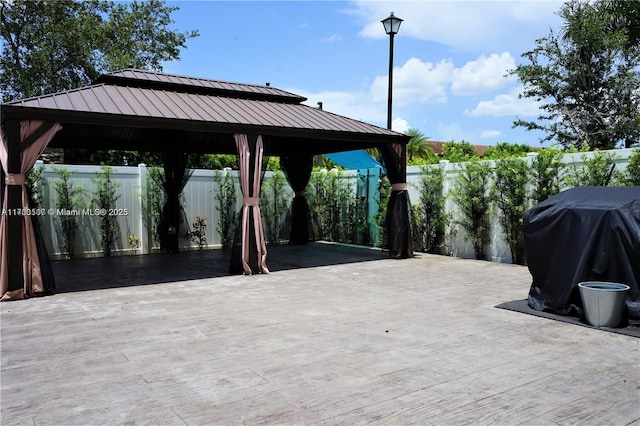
{"type": "Point", "coordinates": [587, 77]}
{"type": "Point", "coordinates": [54, 45]}
{"type": "Point", "coordinates": [419, 149]}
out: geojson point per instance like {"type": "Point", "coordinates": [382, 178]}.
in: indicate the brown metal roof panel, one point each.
{"type": "Point", "coordinates": [186, 103]}
{"type": "Point", "coordinates": [152, 103]}
{"type": "Point", "coordinates": [162, 102]}
{"type": "Point", "coordinates": [285, 117]}
{"type": "Point", "coordinates": [169, 108]}
{"type": "Point", "coordinates": [107, 103]}
{"type": "Point", "coordinates": [93, 102]}
{"type": "Point", "coordinates": [216, 109]}
{"type": "Point", "coordinates": [121, 102]}
{"type": "Point", "coordinates": [136, 99]}
{"type": "Point", "coordinates": [62, 101]}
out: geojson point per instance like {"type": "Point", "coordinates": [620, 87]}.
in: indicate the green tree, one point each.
{"type": "Point", "coordinates": [509, 192]}
{"type": "Point", "coordinates": [632, 172]}
{"type": "Point", "coordinates": [546, 172]}
{"type": "Point", "coordinates": [506, 150]}
{"type": "Point", "coordinates": [586, 78]}
{"type": "Point", "coordinates": [599, 170]}
{"type": "Point", "coordinates": [419, 148]}
{"type": "Point", "coordinates": [457, 152]}
{"type": "Point", "coordinates": [471, 195]}
{"type": "Point", "coordinates": [431, 218]}
{"type": "Point", "coordinates": [69, 199]}
{"type": "Point", "coordinates": [48, 46]}
{"type": "Point", "coordinates": [104, 198]}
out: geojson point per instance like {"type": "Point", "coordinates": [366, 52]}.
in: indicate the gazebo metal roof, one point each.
{"type": "Point", "coordinates": [150, 111]}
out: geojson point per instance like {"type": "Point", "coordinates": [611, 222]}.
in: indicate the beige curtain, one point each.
{"type": "Point", "coordinates": [251, 203]}
{"type": "Point", "coordinates": [34, 138]}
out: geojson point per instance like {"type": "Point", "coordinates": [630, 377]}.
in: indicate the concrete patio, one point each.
{"type": "Point", "coordinates": [334, 335]}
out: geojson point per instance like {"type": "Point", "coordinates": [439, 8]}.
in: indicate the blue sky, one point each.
{"type": "Point", "coordinates": [450, 58]}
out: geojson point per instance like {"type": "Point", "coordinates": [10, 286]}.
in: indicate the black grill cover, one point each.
{"type": "Point", "coordinates": [583, 234]}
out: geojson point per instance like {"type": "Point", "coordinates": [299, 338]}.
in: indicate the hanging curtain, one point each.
{"type": "Point", "coordinates": [399, 205]}
{"type": "Point", "coordinates": [253, 249]}
{"type": "Point", "coordinates": [173, 181]}
{"type": "Point", "coordinates": [34, 138]}
{"type": "Point", "coordinates": [298, 171]}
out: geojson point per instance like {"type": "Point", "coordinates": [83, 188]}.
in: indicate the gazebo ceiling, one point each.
{"type": "Point", "coordinates": [134, 109]}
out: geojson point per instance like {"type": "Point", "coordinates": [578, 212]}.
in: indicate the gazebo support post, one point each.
{"type": "Point", "coordinates": [13, 194]}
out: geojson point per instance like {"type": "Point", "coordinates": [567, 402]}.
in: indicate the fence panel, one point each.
{"type": "Point", "coordinates": [199, 198]}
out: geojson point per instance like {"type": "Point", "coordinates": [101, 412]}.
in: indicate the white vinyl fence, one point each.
{"type": "Point", "coordinates": [198, 198]}
{"type": "Point", "coordinates": [498, 251]}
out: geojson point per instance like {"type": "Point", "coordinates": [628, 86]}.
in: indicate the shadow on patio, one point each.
{"type": "Point", "coordinates": [124, 271]}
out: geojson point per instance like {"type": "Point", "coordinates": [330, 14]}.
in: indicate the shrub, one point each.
{"type": "Point", "coordinates": [104, 198]}
{"type": "Point", "coordinates": [68, 200]}
{"type": "Point", "coordinates": [598, 170]}
{"type": "Point", "coordinates": [632, 172]}
{"type": "Point", "coordinates": [273, 205]}
{"type": "Point", "coordinates": [471, 195]}
{"type": "Point", "coordinates": [226, 199]}
{"type": "Point", "coordinates": [546, 171]}
{"type": "Point", "coordinates": [430, 219]}
{"type": "Point", "coordinates": [199, 233]}
{"type": "Point", "coordinates": [509, 192]}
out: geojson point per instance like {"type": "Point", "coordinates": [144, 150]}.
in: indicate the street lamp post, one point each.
{"type": "Point", "coordinates": [391, 27]}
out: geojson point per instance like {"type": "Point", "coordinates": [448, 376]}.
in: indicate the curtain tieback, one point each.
{"type": "Point", "coordinates": [299, 194]}
{"type": "Point", "coordinates": [251, 201]}
{"type": "Point", "coordinates": [14, 179]}
{"type": "Point", "coordinates": [399, 186]}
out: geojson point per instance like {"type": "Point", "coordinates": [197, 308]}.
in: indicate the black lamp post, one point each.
{"type": "Point", "coordinates": [391, 27]}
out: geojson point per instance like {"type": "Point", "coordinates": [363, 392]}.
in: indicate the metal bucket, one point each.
{"type": "Point", "coordinates": [603, 302]}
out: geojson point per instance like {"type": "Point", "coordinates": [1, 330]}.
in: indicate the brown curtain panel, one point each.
{"type": "Point", "coordinates": [34, 138]}
{"type": "Point", "coordinates": [298, 171]}
{"type": "Point", "coordinates": [253, 249]}
{"type": "Point", "coordinates": [397, 221]}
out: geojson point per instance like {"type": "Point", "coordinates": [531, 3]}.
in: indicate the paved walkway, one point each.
{"type": "Point", "coordinates": [377, 341]}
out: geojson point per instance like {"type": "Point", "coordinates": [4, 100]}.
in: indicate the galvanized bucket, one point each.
{"type": "Point", "coordinates": [603, 302]}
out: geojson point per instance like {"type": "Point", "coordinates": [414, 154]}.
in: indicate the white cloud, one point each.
{"type": "Point", "coordinates": [333, 38]}
{"type": "Point", "coordinates": [464, 25]}
{"type": "Point", "coordinates": [490, 134]}
{"type": "Point", "coordinates": [482, 75]}
{"type": "Point", "coordinates": [399, 124]}
{"type": "Point", "coordinates": [415, 81]}
{"type": "Point", "coordinates": [356, 105]}
{"type": "Point", "coordinates": [506, 104]}
{"type": "Point", "coordinates": [453, 131]}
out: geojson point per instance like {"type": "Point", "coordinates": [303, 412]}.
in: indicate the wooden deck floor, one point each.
{"type": "Point", "coordinates": [320, 340]}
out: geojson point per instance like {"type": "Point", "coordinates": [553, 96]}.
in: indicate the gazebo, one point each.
{"type": "Point", "coordinates": [150, 111]}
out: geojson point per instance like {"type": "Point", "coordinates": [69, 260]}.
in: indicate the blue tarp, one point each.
{"type": "Point", "coordinates": [354, 160]}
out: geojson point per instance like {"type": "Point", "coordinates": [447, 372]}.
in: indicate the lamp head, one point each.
{"type": "Point", "coordinates": [391, 24]}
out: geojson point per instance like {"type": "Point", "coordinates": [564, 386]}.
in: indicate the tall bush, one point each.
{"type": "Point", "coordinates": [104, 198]}
{"type": "Point", "coordinates": [471, 195]}
{"type": "Point", "coordinates": [333, 205]}
{"type": "Point", "coordinates": [273, 205]}
{"type": "Point", "coordinates": [509, 192]}
{"type": "Point", "coordinates": [632, 172]}
{"type": "Point", "coordinates": [35, 183]}
{"type": "Point", "coordinates": [156, 199]}
{"type": "Point", "coordinates": [598, 170]}
{"type": "Point", "coordinates": [546, 174]}
{"type": "Point", "coordinates": [67, 202]}
{"type": "Point", "coordinates": [430, 219]}
{"type": "Point", "coordinates": [226, 199]}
